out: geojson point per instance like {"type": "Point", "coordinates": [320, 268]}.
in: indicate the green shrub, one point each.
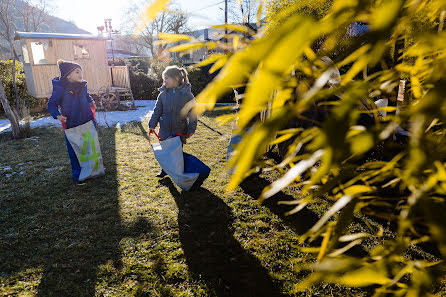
{"type": "Point", "coordinates": [6, 77]}
{"type": "Point", "coordinates": [144, 87]}
{"type": "Point", "coordinates": [138, 64]}
{"type": "Point", "coordinates": [200, 78]}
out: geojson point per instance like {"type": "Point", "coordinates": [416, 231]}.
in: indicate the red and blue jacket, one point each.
{"type": "Point", "coordinates": [71, 100]}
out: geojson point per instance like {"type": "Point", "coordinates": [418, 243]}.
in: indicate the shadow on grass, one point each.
{"type": "Point", "coordinates": [61, 230]}
{"type": "Point", "coordinates": [212, 253]}
{"type": "Point", "coordinates": [300, 222]}
{"type": "Point", "coordinates": [136, 128]}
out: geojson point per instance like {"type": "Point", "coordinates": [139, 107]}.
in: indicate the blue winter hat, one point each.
{"type": "Point", "coordinates": [66, 67]}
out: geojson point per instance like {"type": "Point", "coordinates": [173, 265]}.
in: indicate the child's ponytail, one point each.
{"type": "Point", "coordinates": [175, 71]}
{"type": "Point", "coordinates": [185, 77]}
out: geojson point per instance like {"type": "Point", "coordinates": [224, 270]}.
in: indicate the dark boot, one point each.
{"type": "Point", "coordinates": [197, 184]}
{"type": "Point", "coordinates": [162, 173]}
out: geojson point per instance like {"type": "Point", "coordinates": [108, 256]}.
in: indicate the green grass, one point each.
{"type": "Point", "coordinates": [130, 234]}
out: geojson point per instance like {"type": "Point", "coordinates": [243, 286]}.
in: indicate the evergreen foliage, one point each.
{"type": "Point", "coordinates": [6, 75]}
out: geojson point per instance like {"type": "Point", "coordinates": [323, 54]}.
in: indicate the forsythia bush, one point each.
{"type": "Point", "coordinates": [359, 172]}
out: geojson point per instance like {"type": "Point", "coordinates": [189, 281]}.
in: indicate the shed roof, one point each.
{"type": "Point", "coordinates": [39, 35]}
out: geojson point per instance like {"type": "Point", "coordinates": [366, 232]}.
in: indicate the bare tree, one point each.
{"type": "Point", "coordinates": [7, 25]}
{"type": "Point", "coordinates": [243, 11]}
{"type": "Point", "coordinates": [26, 15]}
{"type": "Point", "coordinates": [173, 20]}
{"type": "Point", "coordinates": [12, 117]}
{"type": "Point", "coordinates": [33, 14]}
{"type": "Point", "coordinates": [7, 28]}
{"type": "Point", "coordinates": [130, 43]}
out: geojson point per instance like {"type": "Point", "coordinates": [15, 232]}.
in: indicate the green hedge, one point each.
{"type": "Point", "coordinates": [6, 77]}
{"type": "Point", "coordinates": [145, 86]}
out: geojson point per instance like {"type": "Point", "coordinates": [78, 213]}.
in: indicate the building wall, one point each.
{"type": "Point", "coordinates": [95, 68]}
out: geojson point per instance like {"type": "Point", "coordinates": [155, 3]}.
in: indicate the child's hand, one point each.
{"type": "Point", "coordinates": [61, 118]}
{"type": "Point", "coordinates": [184, 138]}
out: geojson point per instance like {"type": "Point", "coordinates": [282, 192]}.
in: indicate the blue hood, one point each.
{"type": "Point", "coordinates": [71, 100]}
{"type": "Point", "coordinates": [64, 83]}
{"type": "Point", "coordinates": [184, 89]}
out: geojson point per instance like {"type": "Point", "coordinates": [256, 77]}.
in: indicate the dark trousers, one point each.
{"type": "Point", "coordinates": [75, 166]}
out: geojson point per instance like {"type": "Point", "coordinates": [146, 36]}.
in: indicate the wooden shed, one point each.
{"type": "Point", "coordinates": [40, 52]}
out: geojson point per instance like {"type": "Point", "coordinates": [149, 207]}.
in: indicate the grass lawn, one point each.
{"type": "Point", "coordinates": [131, 234]}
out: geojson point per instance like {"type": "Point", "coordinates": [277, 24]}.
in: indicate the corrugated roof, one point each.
{"type": "Point", "coordinates": [39, 35]}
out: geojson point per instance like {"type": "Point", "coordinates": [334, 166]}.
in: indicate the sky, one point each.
{"type": "Point", "coordinates": [89, 14]}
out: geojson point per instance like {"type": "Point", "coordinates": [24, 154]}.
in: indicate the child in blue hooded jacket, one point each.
{"type": "Point", "coordinates": [71, 103]}
{"type": "Point", "coordinates": [174, 106]}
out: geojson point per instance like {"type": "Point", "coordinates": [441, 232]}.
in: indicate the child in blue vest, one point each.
{"type": "Point", "coordinates": [173, 108]}
{"type": "Point", "coordinates": [71, 104]}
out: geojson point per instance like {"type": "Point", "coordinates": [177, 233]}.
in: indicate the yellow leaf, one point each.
{"type": "Point", "coordinates": [345, 248]}
{"type": "Point", "coordinates": [236, 28]}
{"type": "Point", "coordinates": [169, 38]}
{"type": "Point", "coordinates": [209, 60]}
{"type": "Point", "coordinates": [151, 11]}
{"type": "Point", "coordinates": [219, 64]}
{"type": "Point", "coordinates": [355, 55]}
{"type": "Point", "coordinates": [365, 276]}
{"type": "Point", "coordinates": [416, 86]}
{"type": "Point", "coordinates": [361, 143]}
{"type": "Point", "coordinates": [310, 250]}
{"type": "Point", "coordinates": [383, 16]}
{"type": "Point", "coordinates": [291, 175]}
{"type": "Point", "coordinates": [276, 63]}
{"type": "Point", "coordinates": [351, 237]}
{"type": "Point", "coordinates": [325, 242]}
{"type": "Point", "coordinates": [341, 203]}
{"type": "Point", "coordinates": [440, 171]}
{"type": "Point", "coordinates": [187, 46]}
{"type": "Point", "coordinates": [224, 119]}
{"type": "Point", "coordinates": [387, 108]}
{"type": "Point", "coordinates": [358, 189]}
{"type": "Point", "coordinates": [357, 67]}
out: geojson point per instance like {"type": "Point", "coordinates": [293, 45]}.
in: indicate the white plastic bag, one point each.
{"type": "Point", "coordinates": [85, 143]}
{"type": "Point", "coordinates": [169, 154]}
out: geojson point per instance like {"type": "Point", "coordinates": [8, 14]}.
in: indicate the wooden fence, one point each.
{"type": "Point", "coordinates": [119, 76]}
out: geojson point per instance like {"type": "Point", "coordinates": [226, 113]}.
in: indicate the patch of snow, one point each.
{"type": "Point", "coordinates": [32, 138]}
{"type": "Point", "coordinates": [5, 168]}
{"type": "Point", "coordinates": [52, 168]}
{"type": "Point", "coordinates": [14, 173]}
{"type": "Point", "coordinates": [24, 163]}
{"type": "Point", "coordinates": [144, 109]}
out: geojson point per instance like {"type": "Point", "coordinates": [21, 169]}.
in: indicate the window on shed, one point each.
{"type": "Point", "coordinates": [42, 52]}
{"type": "Point", "coordinates": [25, 53]}
{"type": "Point", "coordinates": [81, 51]}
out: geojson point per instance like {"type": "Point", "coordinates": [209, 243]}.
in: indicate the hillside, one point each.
{"type": "Point", "coordinates": [51, 24]}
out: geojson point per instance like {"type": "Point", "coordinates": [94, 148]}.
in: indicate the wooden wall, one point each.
{"type": "Point", "coordinates": [95, 68]}
{"type": "Point", "coordinates": [121, 76]}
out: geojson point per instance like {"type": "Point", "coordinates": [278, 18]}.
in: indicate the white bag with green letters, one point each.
{"type": "Point", "coordinates": [85, 143]}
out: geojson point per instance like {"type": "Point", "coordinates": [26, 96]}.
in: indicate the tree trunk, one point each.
{"type": "Point", "coordinates": [17, 104]}
{"type": "Point", "coordinates": [16, 133]}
